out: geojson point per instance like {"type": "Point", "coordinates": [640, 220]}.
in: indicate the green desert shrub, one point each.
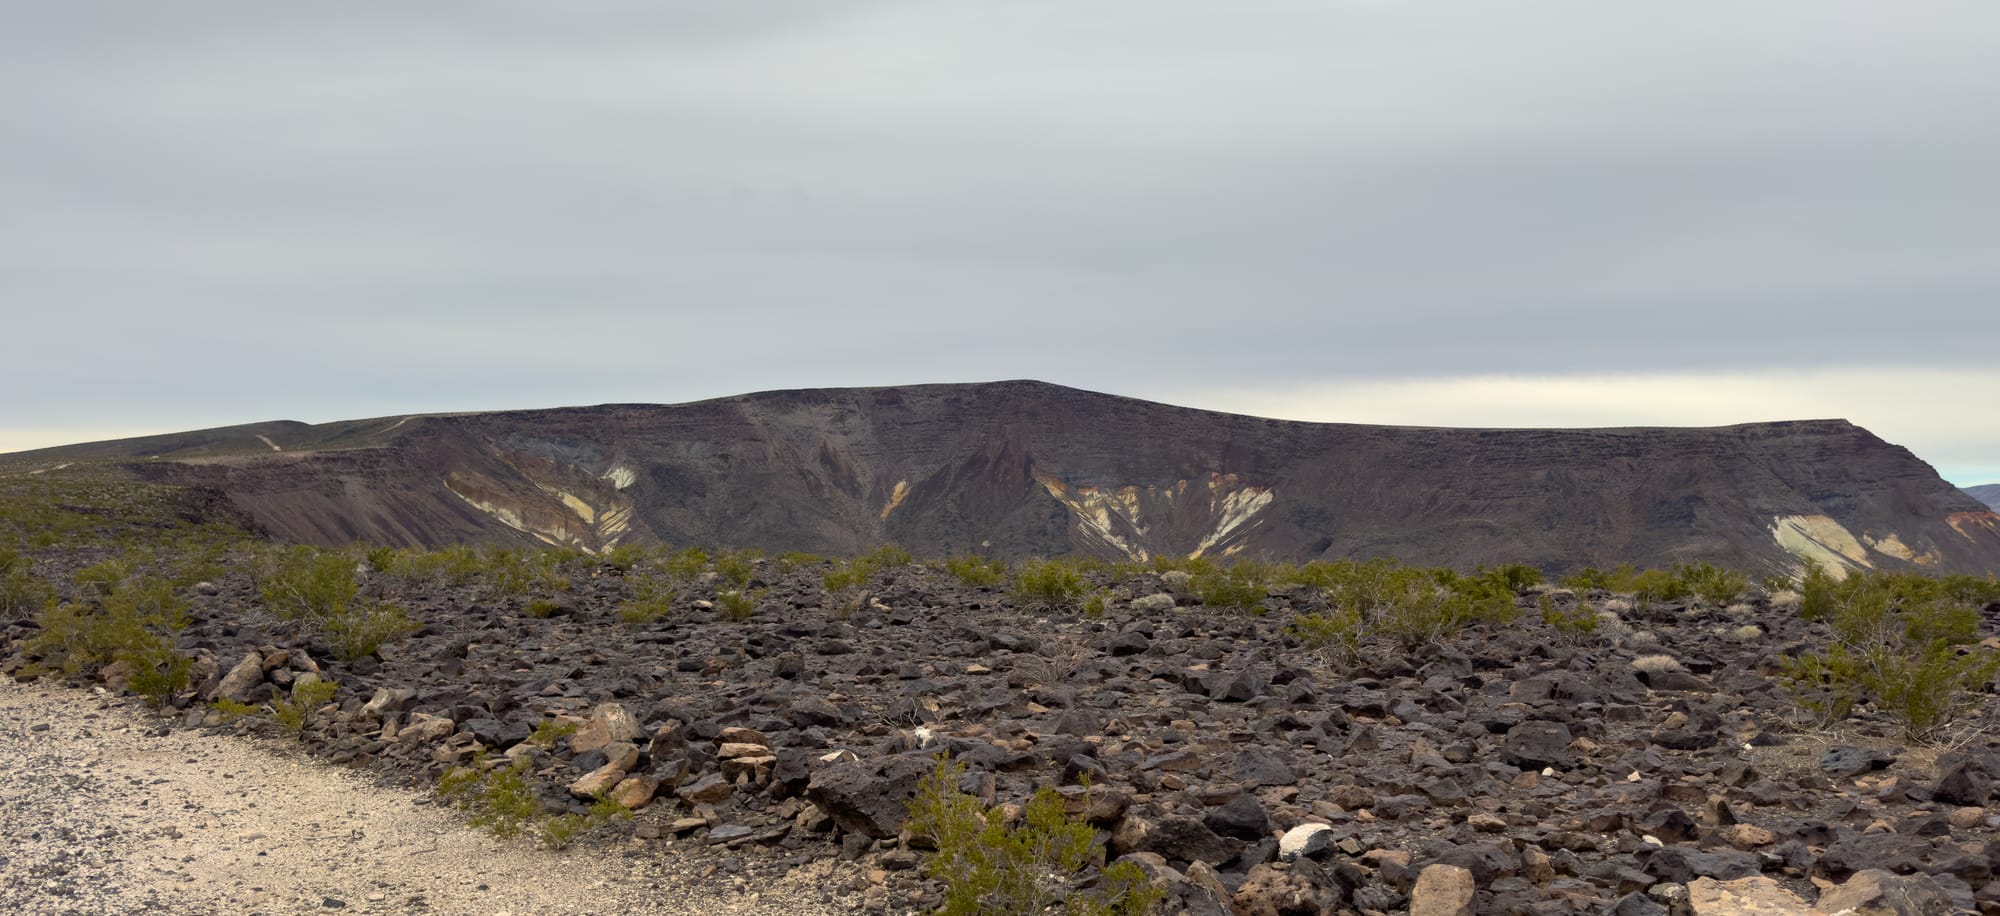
{"type": "Point", "coordinates": [1573, 625]}
{"type": "Point", "coordinates": [737, 568]}
{"type": "Point", "coordinates": [1336, 632]}
{"type": "Point", "coordinates": [1587, 579]}
{"type": "Point", "coordinates": [685, 565]}
{"type": "Point", "coordinates": [541, 609]}
{"type": "Point", "coordinates": [551, 731]}
{"type": "Point", "coordinates": [129, 621]}
{"type": "Point", "coordinates": [989, 866]}
{"type": "Point", "coordinates": [653, 597]}
{"type": "Point", "coordinates": [501, 800]}
{"type": "Point", "coordinates": [358, 632]}
{"type": "Point", "coordinates": [1907, 643]}
{"type": "Point", "coordinates": [736, 605]}
{"type": "Point", "coordinates": [319, 590]}
{"type": "Point", "coordinates": [976, 572]}
{"type": "Point", "coordinates": [1240, 586]}
{"type": "Point", "coordinates": [21, 594]}
{"type": "Point", "coordinates": [303, 583]}
{"type": "Point", "coordinates": [1049, 585]}
{"type": "Point", "coordinates": [308, 693]}
{"type": "Point", "coordinates": [1713, 584]}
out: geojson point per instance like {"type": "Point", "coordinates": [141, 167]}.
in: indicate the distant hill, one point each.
{"type": "Point", "coordinates": [1988, 493]}
{"type": "Point", "coordinates": [1019, 468]}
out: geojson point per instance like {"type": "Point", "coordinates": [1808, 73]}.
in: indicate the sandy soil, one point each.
{"type": "Point", "coordinates": [103, 811]}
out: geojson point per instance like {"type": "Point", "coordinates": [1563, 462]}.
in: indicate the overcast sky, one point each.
{"type": "Point", "coordinates": [1473, 213]}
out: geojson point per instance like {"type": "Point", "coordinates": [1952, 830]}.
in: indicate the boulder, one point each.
{"type": "Point", "coordinates": [236, 684]}
{"type": "Point", "coordinates": [1755, 895]}
{"type": "Point", "coordinates": [870, 797]}
{"type": "Point", "coordinates": [1305, 841]}
{"type": "Point", "coordinates": [1533, 745]}
{"type": "Point", "coordinates": [1442, 890]}
{"type": "Point", "coordinates": [1262, 766]}
{"type": "Point", "coordinates": [1875, 891]}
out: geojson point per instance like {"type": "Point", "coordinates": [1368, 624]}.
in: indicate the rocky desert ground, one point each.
{"type": "Point", "coordinates": [750, 727]}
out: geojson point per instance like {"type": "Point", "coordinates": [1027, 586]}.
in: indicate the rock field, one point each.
{"type": "Point", "coordinates": [1650, 768]}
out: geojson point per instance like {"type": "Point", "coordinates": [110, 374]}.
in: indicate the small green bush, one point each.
{"type": "Point", "coordinates": [1655, 586]}
{"type": "Point", "coordinates": [308, 694]}
{"type": "Point", "coordinates": [1237, 587]}
{"type": "Point", "coordinates": [307, 584]}
{"type": "Point", "coordinates": [1573, 625]}
{"type": "Point", "coordinates": [541, 609]}
{"type": "Point", "coordinates": [21, 594]}
{"type": "Point", "coordinates": [625, 557]}
{"type": "Point", "coordinates": [737, 568]}
{"type": "Point", "coordinates": [1903, 641]}
{"type": "Point", "coordinates": [123, 619]}
{"type": "Point", "coordinates": [991, 867]}
{"type": "Point", "coordinates": [686, 565]}
{"type": "Point", "coordinates": [1587, 579]}
{"type": "Point", "coordinates": [736, 605]}
{"type": "Point", "coordinates": [1048, 584]}
{"type": "Point", "coordinates": [1094, 606]}
{"type": "Point", "coordinates": [1712, 584]}
{"type": "Point", "coordinates": [1337, 632]}
{"type": "Point", "coordinates": [501, 800]}
{"type": "Point", "coordinates": [357, 633]}
{"type": "Point", "coordinates": [653, 598]}
{"type": "Point", "coordinates": [551, 731]}
{"type": "Point", "coordinates": [976, 572]}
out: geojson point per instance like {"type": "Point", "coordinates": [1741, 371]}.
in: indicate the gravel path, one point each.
{"type": "Point", "coordinates": [102, 811]}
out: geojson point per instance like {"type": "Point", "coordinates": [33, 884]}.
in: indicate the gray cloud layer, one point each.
{"type": "Point", "coordinates": [240, 210]}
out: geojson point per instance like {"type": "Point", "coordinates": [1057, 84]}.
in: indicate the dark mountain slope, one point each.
{"type": "Point", "coordinates": [1986, 493]}
{"type": "Point", "coordinates": [1018, 468]}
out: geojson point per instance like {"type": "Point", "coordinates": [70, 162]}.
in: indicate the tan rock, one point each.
{"type": "Point", "coordinates": [1876, 891]}
{"type": "Point", "coordinates": [596, 783]}
{"type": "Point", "coordinates": [1442, 890]}
{"type": "Point", "coordinates": [1752, 896]}
{"type": "Point", "coordinates": [424, 728]}
{"type": "Point", "coordinates": [621, 754]}
{"type": "Point", "coordinates": [1749, 836]}
{"type": "Point", "coordinates": [1271, 892]}
{"type": "Point", "coordinates": [742, 749]}
{"type": "Point", "coordinates": [236, 684]}
{"type": "Point", "coordinates": [1967, 818]}
{"type": "Point", "coordinates": [634, 792]}
{"type": "Point", "coordinates": [607, 723]}
{"type": "Point", "coordinates": [737, 734]}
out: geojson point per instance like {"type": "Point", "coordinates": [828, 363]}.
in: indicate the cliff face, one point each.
{"type": "Point", "coordinates": [1017, 468]}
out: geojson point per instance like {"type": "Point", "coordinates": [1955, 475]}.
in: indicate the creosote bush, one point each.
{"type": "Point", "coordinates": [1904, 642]}
{"type": "Point", "coordinates": [736, 605]}
{"type": "Point", "coordinates": [653, 597]}
{"type": "Point", "coordinates": [117, 617]}
{"type": "Point", "coordinates": [844, 583]}
{"type": "Point", "coordinates": [989, 866]}
{"type": "Point", "coordinates": [309, 693]}
{"type": "Point", "coordinates": [976, 572]}
{"type": "Point", "coordinates": [503, 802]}
{"type": "Point", "coordinates": [320, 590]}
{"type": "Point", "coordinates": [1048, 585]}
{"type": "Point", "coordinates": [1239, 586]}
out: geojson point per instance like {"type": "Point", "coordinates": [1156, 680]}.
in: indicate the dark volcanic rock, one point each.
{"type": "Point", "coordinates": [1535, 745]}
{"type": "Point", "coordinates": [869, 797]}
{"type": "Point", "coordinates": [1841, 762]}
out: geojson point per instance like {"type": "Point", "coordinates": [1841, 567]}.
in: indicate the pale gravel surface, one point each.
{"type": "Point", "coordinates": [102, 811]}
